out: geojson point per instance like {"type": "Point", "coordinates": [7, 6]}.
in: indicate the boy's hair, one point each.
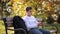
{"type": "Point", "coordinates": [28, 8]}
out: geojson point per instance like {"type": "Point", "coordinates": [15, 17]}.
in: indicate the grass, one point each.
{"type": "Point", "coordinates": [48, 27]}
{"type": "Point", "coordinates": [2, 28]}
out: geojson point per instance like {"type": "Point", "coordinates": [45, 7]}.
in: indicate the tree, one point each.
{"type": "Point", "coordinates": [40, 7]}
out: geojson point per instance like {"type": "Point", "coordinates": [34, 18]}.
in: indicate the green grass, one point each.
{"type": "Point", "coordinates": [48, 27]}
{"type": "Point", "coordinates": [2, 28]}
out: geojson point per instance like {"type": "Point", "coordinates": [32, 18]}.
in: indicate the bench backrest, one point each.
{"type": "Point", "coordinates": [8, 22]}
{"type": "Point", "coordinates": [16, 22]}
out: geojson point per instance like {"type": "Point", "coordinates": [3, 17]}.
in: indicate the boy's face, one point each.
{"type": "Point", "coordinates": [29, 12]}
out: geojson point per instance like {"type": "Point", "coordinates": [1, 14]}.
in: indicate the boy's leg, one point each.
{"type": "Point", "coordinates": [35, 31]}
{"type": "Point", "coordinates": [45, 31]}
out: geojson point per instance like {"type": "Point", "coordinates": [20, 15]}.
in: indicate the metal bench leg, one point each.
{"type": "Point", "coordinates": [6, 31]}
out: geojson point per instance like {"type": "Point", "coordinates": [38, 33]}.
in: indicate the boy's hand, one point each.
{"type": "Point", "coordinates": [41, 24]}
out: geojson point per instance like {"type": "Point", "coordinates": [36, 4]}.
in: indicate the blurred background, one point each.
{"type": "Point", "coordinates": [41, 9]}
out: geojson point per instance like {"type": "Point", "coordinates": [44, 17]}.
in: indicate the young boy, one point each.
{"type": "Point", "coordinates": [32, 24]}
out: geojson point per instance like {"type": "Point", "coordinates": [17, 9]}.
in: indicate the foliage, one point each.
{"type": "Point", "coordinates": [41, 8]}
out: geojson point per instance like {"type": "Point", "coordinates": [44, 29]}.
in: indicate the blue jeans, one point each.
{"type": "Point", "coordinates": [39, 31]}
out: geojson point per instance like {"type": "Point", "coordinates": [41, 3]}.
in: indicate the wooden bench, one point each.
{"type": "Point", "coordinates": [9, 25]}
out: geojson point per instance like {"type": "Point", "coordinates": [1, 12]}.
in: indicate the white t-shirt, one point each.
{"type": "Point", "coordinates": [30, 22]}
